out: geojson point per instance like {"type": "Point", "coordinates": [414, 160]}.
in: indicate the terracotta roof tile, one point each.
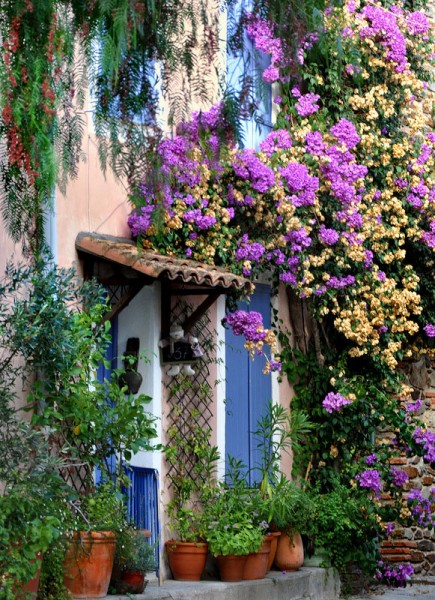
{"type": "Point", "coordinates": [125, 252]}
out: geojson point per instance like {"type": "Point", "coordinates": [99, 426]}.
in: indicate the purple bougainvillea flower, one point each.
{"type": "Point", "coordinates": [421, 507]}
{"type": "Point", "coordinates": [271, 74]}
{"type": "Point", "coordinates": [412, 407]}
{"type": "Point", "coordinates": [314, 143]}
{"type": "Point", "coordinates": [346, 133]}
{"type": "Point", "coordinates": [338, 283]}
{"type": "Point", "coordinates": [276, 140]}
{"type": "Point", "coordinates": [429, 330]}
{"type": "Point", "coordinates": [427, 440]}
{"type": "Point", "coordinates": [334, 402]}
{"type": "Point", "coordinates": [394, 575]}
{"type": "Point", "coordinates": [248, 324]}
{"type": "Point", "coordinates": [417, 23]}
{"type": "Point", "coordinates": [328, 236]}
{"type": "Point", "coordinates": [371, 459]}
{"type": "Point", "coordinates": [399, 477]}
{"type": "Point", "coordinates": [248, 166]}
{"type": "Point", "coordinates": [307, 104]}
{"type": "Point", "coordinates": [370, 480]}
{"type": "Point", "coordinates": [248, 250]}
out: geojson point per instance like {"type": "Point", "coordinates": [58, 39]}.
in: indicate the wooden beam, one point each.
{"type": "Point", "coordinates": [124, 301]}
{"type": "Point", "coordinates": [166, 308]}
{"type": "Point", "coordinates": [193, 291]}
{"type": "Point", "coordinates": [200, 310]}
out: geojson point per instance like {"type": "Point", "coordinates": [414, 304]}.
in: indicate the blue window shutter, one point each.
{"type": "Point", "coordinates": [248, 390]}
{"type": "Point", "coordinates": [143, 503]}
{"type": "Point", "coordinates": [252, 63]}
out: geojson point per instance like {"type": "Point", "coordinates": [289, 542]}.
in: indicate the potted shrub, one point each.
{"type": "Point", "coordinates": [134, 557]}
{"type": "Point", "coordinates": [187, 549]}
{"type": "Point", "coordinates": [97, 518]}
{"type": "Point", "coordinates": [292, 511]}
{"type": "Point", "coordinates": [28, 523]}
{"type": "Point", "coordinates": [232, 530]}
{"type": "Point", "coordinates": [277, 433]}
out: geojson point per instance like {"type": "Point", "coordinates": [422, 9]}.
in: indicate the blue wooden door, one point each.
{"type": "Point", "coordinates": [104, 374]}
{"type": "Point", "coordinates": [248, 390]}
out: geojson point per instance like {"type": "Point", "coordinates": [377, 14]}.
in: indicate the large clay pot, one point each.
{"type": "Point", "coordinates": [231, 566]}
{"type": "Point", "coordinates": [88, 563]}
{"type": "Point", "coordinates": [31, 587]}
{"type": "Point", "coordinates": [256, 564]}
{"type": "Point", "coordinates": [274, 535]}
{"type": "Point", "coordinates": [289, 553]}
{"type": "Point", "coordinates": [187, 559]}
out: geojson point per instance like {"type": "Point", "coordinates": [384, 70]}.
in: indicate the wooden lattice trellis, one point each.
{"type": "Point", "coordinates": [190, 400]}
{"type": "Point", "coordinates": [75, 472]}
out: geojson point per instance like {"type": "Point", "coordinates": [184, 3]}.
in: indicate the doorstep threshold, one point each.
{"type": "Point", "coordinates": [309, 583]}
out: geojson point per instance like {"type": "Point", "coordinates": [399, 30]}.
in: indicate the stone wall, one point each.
{"type": "Point", "coordinates": [416, 544]}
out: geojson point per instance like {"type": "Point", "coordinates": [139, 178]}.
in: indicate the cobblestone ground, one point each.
{"type": "Point", "coordinates": [422, 591]}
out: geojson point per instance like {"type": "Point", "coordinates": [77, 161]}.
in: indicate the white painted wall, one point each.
{"type": "Point", "coordinates": [220, 387]}
{"type": "Point", "coordinates": [141, 319]}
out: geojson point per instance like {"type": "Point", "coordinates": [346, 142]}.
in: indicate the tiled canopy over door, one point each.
{"type": "Point", "coordinates": [248, 390]}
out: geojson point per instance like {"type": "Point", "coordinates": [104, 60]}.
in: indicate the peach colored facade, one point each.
{"type": "Point", "coordinates": [98, 203]}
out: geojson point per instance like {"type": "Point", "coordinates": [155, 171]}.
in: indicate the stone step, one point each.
{"type": "Point", "coordinates": [309, 583]}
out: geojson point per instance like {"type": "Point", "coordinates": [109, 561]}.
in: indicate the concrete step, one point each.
{"type": "Point", "coordinates": [309, 583]}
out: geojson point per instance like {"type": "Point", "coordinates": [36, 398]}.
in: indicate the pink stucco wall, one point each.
{"type": "Point", "coordinates": [8, 250]}
{"type": "Point", "coordinates": [93, 202]}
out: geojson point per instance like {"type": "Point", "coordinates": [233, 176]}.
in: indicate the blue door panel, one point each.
{"type": "Point", "coordinates": [143, 503]}
{"type": "Point", "coordinates": [248, 390]}
{"type": "Point", "coordinates": [104, 373]}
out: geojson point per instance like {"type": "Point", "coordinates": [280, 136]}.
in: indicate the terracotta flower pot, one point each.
{"type": "Point", "coordinates": [88, 563]}
{"type": "Point", "coordinates": [256, 563]}
{"type": "Point", "coordinates": [289, 553]}
{"type": "Point", "coordinates": [133, 581]}
{"type": "Point", "coordinates": [274, 535]}
{"type": "Point", "coordinates": [231, 566]}
{"type": "Point", "coordinates": [187, 559]}
{"type": "Point", "coordinates": [31, 587]}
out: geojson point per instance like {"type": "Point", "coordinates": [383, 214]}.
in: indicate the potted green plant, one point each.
{"type": "Point", "coordinates": [187, 549]}
{"type": "Point", "coordinates": [278, 432]}
{"type": "Point", "coordinates": [292, 511]}
{"type": "Point", "coordinates": [232, 530]}
{"type": "Point", "coordinates": [134, 557]}
{"type": "Point", "coordinates": [28, 522]}
{"type": "Point", "coordinates": [97, 517]}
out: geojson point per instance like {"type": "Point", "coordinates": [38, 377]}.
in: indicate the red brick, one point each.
{"type": "Point", "coordinates": [398, 551]}
{"type": "Point", "coordinates": [397, 460]}
{"type": "Point", "coordinates": [427, 480]}
{"type": "Point", "coordinates": [395, 557]}
{"type": "Point", "coordinates": [429, 394]}
{"type": "Point", "coordinates": [399, 544]}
